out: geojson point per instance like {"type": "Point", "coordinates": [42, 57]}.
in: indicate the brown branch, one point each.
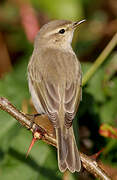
{"type": "Point", "coordinates": [47, 135]}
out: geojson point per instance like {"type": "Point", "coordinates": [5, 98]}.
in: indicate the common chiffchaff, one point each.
{"type": "Point", "coordinates": [54, 76]}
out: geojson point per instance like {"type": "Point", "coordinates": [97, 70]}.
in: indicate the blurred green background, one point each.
{"type": "Point", "coordinates": [19, 22]}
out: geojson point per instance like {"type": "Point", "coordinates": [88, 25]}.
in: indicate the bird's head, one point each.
{"type": "Point", "coordinates": [57, 33]}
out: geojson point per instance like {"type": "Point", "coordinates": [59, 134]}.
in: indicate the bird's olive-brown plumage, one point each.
{"type": "Point", "coordinates": [54, 75]}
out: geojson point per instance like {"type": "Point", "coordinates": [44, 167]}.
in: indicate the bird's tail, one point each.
{"type": "Point", "coordinates": [68, 155]}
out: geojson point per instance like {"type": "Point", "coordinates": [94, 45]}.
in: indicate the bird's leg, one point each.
{"type": "Point", "coordinates": [32, 117]}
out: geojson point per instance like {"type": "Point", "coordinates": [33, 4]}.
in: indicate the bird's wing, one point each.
{"type": "Point", "coordinates": [46, 90]}
{"type": "Point", "coordinates": [73, 95]}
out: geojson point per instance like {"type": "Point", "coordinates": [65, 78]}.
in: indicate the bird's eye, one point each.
{"type": "Point", "coordinates": [62, 31]}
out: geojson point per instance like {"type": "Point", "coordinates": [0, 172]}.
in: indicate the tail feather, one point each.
{"type": "Point", "coordinates": [62, 167]}
{"type": "Point", "coordinates": [70, 160]}
{"type": "Point", "coordinates": [77, 158]}
{"type": "Point", "coordinates": [62, 149]}
{"type": "Point", "coordinates": [68, 155]}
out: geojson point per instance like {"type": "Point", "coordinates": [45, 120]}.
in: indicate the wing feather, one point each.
{"type": "Point", "coordinates": [73, 96]}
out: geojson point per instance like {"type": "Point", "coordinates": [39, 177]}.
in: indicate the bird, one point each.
{"type": "Point", "coordinates": [55, 85]}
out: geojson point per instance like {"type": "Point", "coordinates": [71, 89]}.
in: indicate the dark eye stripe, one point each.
{"type": "Point", "coordinates": [62, 31]}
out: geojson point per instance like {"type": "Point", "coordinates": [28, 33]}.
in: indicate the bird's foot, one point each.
{"type": "Point", "coordinates": [32, 118]}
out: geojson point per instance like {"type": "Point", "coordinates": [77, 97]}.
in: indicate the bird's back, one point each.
{"type": "Point", "coordinates": [56, 65]}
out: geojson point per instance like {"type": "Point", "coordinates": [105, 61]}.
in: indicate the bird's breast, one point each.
{"type": "Point", "coordinates": [59, 66]}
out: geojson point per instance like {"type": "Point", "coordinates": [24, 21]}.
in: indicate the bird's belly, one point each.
{"type": "Point", "coordinates": [35, 99]}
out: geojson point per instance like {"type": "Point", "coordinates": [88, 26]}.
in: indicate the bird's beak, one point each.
{"type": "Point", "coordinates": [77, 23]}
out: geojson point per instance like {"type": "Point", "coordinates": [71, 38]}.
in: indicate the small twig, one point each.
{"type": "Point", "coordinates": [18, 115]}
{"type": "Point", "coordinates": [93, 167]}
{"type": "Point", "coordinates": [100, 59]}
{"type": "Point", "coordinates": [89, 164]}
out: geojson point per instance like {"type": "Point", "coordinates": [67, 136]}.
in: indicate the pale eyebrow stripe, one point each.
{"type": "Point", "coordinates": [55, 31]}
{"type": "Point", "coordinates": [51, 32]}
